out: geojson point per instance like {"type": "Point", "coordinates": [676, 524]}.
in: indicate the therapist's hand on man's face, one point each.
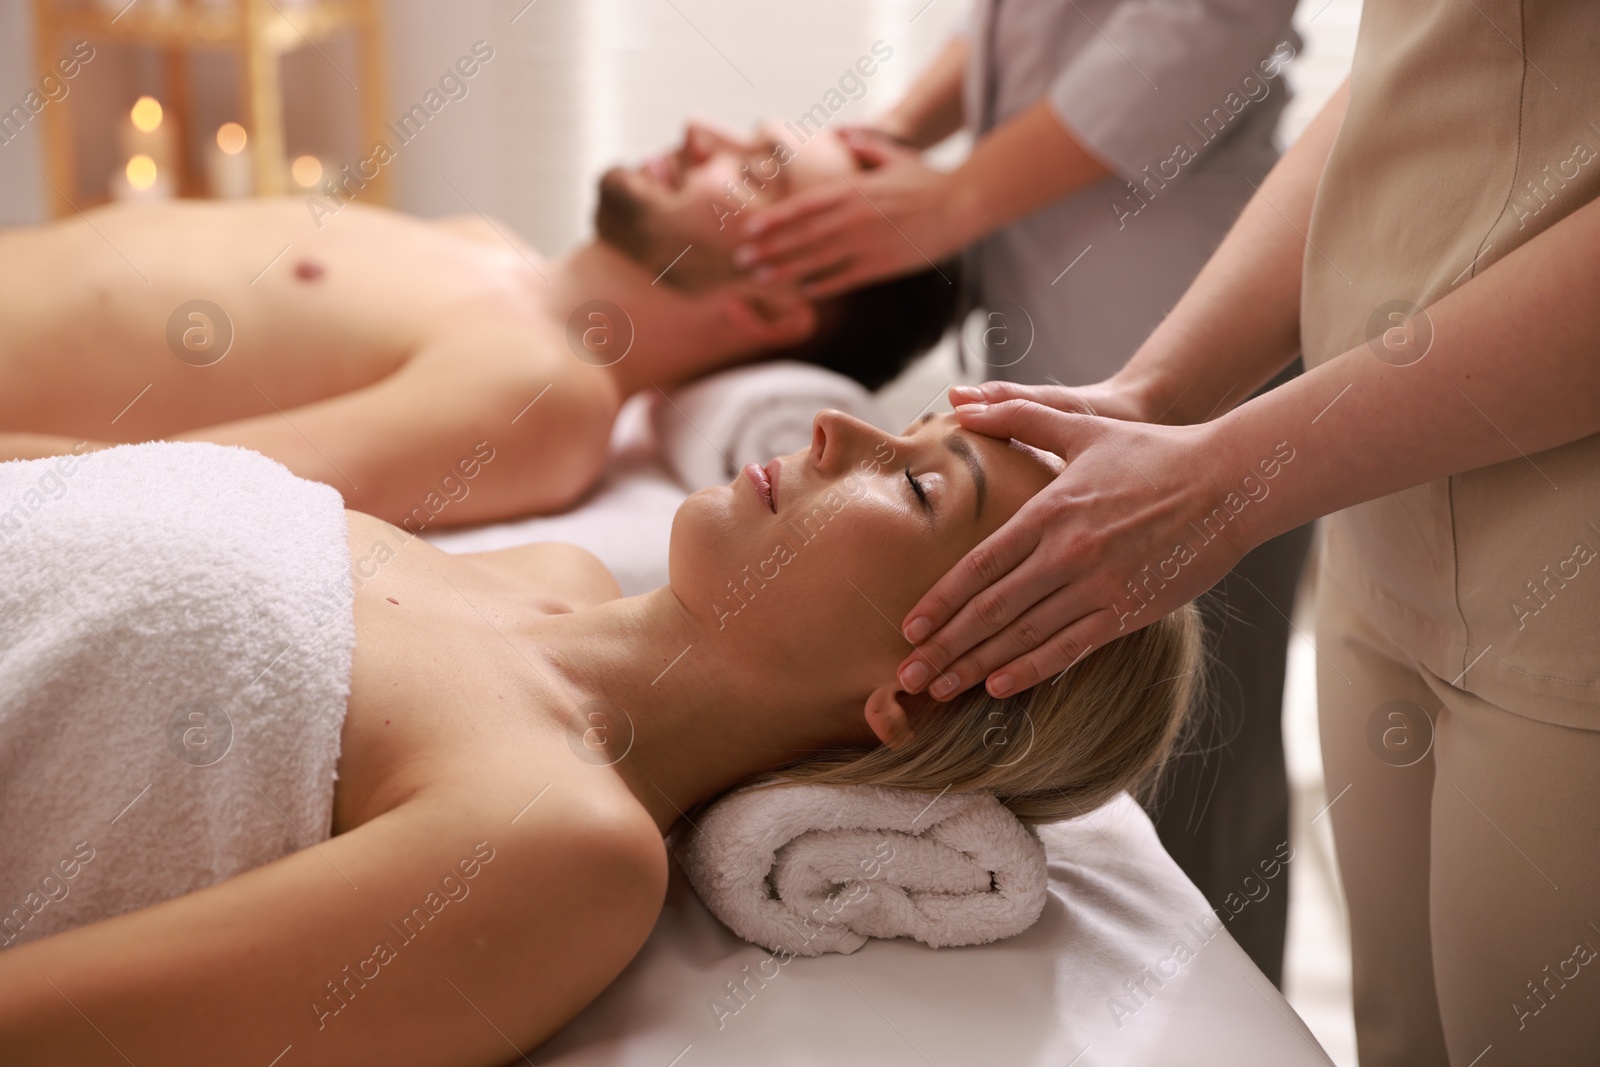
{"type": "Point", "coordinates": [894, 218]}
{"type": "Point", "coordinates": [1126, 533]}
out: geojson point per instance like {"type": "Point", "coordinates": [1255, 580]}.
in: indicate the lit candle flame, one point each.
{"type": "Point", "coordinates": [141, 172]}
{"type": "Point", "coordinates": [306, 170]}
{"type": "Point", "coordinates": [231, 138]}
{"type": "Point", "coordinates": [146, 114]}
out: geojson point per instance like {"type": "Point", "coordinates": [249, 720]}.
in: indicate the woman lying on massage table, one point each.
{"type": "Point", "coordinates": [475, 681]}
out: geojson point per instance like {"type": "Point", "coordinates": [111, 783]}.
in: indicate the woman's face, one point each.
{"type": "Point", "coordinates": [813, 582]}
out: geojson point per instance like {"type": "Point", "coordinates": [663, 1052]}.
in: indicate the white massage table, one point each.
{"type": "Point", "coordinates": [1072, 991]}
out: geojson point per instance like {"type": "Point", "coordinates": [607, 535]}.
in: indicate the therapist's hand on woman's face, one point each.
{"type": "Point", "coordinates": [895, 218]}
{"type": "Point", "coordinates": [1118, 539]}
{"type": "Point", "coordinates": [1109, 399]}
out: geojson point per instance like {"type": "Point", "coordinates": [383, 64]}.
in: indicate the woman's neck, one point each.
{"type": "Point", "coordinates": [676, 713]}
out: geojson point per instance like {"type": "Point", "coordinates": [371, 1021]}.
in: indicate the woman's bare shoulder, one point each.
{"type": "Point", "coordinates": [560, 571]}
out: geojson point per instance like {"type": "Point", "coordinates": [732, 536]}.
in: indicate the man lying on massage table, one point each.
{"type": "Point", "coordinates": [468, 690]}
{"type": "Point", "coordinates": [429, 371]}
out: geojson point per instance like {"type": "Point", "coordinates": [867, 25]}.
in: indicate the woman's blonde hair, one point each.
{"type": "Point", "coordinates": [1055, 751]}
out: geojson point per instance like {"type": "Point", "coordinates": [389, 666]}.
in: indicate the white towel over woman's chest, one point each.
{"type": "Point", "coordinates": [175, 642]}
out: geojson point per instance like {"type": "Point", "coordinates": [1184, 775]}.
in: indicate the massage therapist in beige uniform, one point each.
{"type": "Point", "coordinates": [1431, 244]}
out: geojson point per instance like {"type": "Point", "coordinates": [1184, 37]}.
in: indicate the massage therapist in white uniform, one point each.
{"type": "Point", "coordinates": [1117, 140]}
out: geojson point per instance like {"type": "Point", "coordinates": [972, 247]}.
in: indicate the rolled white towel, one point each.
{"type": "Point", "coordinates": [711, 427]}
{"type": "Point", "coordinates": [810, 869]}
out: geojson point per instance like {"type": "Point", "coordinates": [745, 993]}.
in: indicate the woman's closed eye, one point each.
{"type": "Point", "coordinates": [917, 488]}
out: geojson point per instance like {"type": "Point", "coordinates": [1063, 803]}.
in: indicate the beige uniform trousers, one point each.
{"type": "Point", "coordinates": [1459, 621]}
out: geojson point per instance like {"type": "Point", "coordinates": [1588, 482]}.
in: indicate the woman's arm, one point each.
{"type": "Point", "coordinates": [901, 215]}
{"type": "Point", "coordinates": [1102, 114]}
{"type": "Point", "coordinates": [1514, 369]}
{"type": "Point", "coordinates": [1238, 323]}
{"type": "Point", "coordinates": [1122, 537]}
{"type": "Point", "coordinates": [931, 110]}
{"type": "Point", "coordinates": [439, 933]}
{"type": "Point", "coordinates": [1024, 163]}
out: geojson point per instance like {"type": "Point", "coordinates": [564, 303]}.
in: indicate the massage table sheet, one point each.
{"type": "Point", "coordinates": [1055, 995]}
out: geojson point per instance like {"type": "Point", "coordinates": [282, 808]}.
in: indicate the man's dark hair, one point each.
{"type": "Point", "coordinates": [873, 333]}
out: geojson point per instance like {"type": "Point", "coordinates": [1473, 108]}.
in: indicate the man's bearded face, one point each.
{"type": "Point", "coordinates": [696, 197]}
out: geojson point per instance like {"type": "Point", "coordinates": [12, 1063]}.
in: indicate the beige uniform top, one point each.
{"type": "Point", "coordinates": [1473, 126]}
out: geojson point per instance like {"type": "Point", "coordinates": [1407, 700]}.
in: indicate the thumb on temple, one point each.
{"type": "Point", "coordinates": [873, 149]}
{"type": "Point", "coordinates": [1030, 422]}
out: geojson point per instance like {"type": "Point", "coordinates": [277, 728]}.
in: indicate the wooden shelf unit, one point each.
{"type": "Point", "coordinates": [256, 32]}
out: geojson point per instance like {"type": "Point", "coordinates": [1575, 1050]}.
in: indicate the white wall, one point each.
{"type": "Point", "coordinates": [575, 86]}
{"type": "Point", "coordinates": [21, 158]}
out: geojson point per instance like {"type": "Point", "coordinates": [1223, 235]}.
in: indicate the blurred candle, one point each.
{"type": "Point", "coordinates": [146, 114]}
{"type": "Point", "coordinates": [141, 178]}
{"type": "Point", "coordinates": [228, 166]}
{"type": "Point", "coordinates": [141, 172]}
{"type": "Point", "coordinates": [306, 171]}
{"type": "Point", "coordinates": [146, 143]}
{"type": "Point", "coordinates": [143, 132]}
{"type": "Point", "coordinates": [231, 138]}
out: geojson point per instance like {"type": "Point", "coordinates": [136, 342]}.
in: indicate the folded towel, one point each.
{"type": "Point", "coordinates": [710, 428]}
{"type": "Point", "coordinates": [810, 869]}
{"type": "Point", "coordinates": [174, 666]}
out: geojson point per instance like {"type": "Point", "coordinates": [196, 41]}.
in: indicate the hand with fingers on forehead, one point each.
{"type": "Point", "coordinates": [1132, 528]}
{"type": "Point", "coordinates": [895, 216]}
